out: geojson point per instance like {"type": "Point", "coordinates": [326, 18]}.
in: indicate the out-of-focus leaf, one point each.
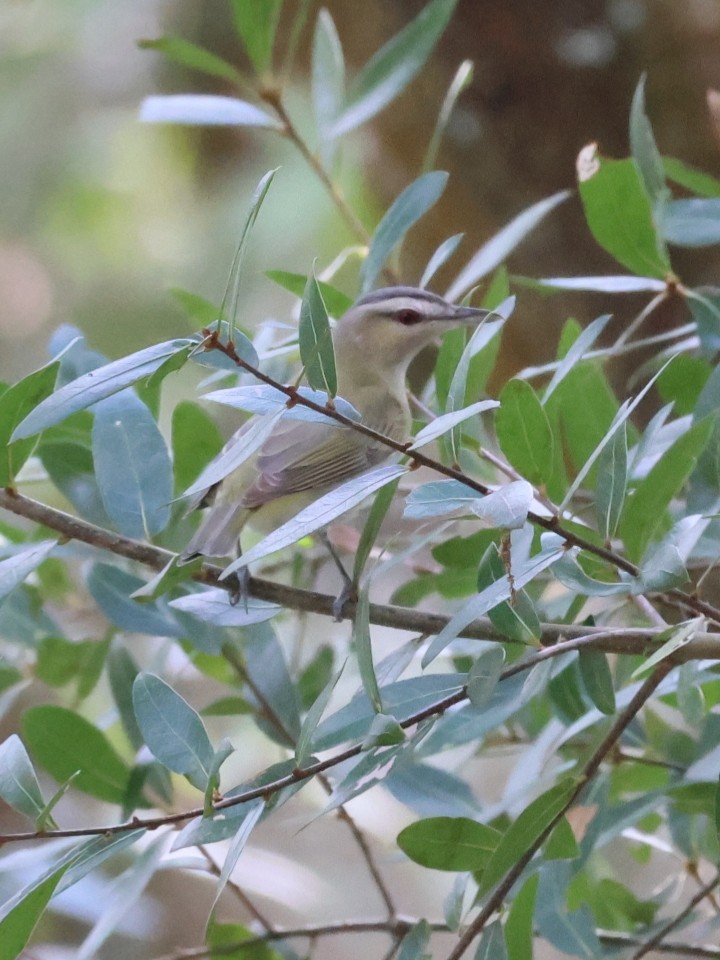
{"type": "Point", "coordinates": [673, 639]}
{"type": "Point", "coordinates": [132, 466]}
{"type": "Point", "coordinates": [195, 441]}
{"type": "Point", "coordinates": [254, 812]}
{"type": "Point", "coordinates": [18, 567]}
{"type": "Point", "coordinates": [611, 484]}
{"type": "Point", "coordinates": [443, 253]}
{"type": "Point", "coordinates": [172, 730]}
{"type": "Point", "coordinates": [694, 180]}
{"type": "Point", "coordinates": [597, 680]}
{"type": "Point", "coordinates": [484, 676]}
{"type": "Point", "coordinates": [643, 146]}
{"type": "Point", "coordinates": [524, 432]}
{"type": "Point", "coordinates": [111, 588]}
{"type": "Point", "coordinates": [519, 927]}
{"type": "Point", "coordinates": [322, 512]}
{"type": "Point", "coordinates": [20, 915]}
{"type": "Point", "coordinates": [391, 69]}
{"type": "Point", "coordinates": [371, 528]}
{"type": "Point", "coordinates": [619, 213]}
{"type": "Point", "coordinates": [499, 247]}
{"type": "Point", "coordinates": [525, 830]}
{"type": "Point", "coordinates": [363, 649]}
{"type": "Point", "coordinates": [692, 223]}
{"type": "Point", "coordinates": [335, 300]}
{"type": "Point", "coordinates": [213, 606]}
{"type": "Point", "coordinates": [67, 745]}
{"type": "Point", "coordinates": [191, 55]}
{"type": "Point", "coordinates": [440, 425]}
{"type": "Point", "coordinates": [205, 110]}
{"type": "Point", "coordinates": [449, 843]}
{"type": "Point", "coordinates": [316, 346]}
{"type": "Point", "coordinates": [16, 402]}
{"type": "Point", "coordinates": [413, 945]}
{"type": "Point", "coordinates": [264, 398]}
{"type": "Point", "coordinates": [620, 284]}
{"type": "Point", "coordinates": [268, 674]}
{"type": "Point", "coordinates": [328, 82]}
{"type": "Point", "coordinates": [256, 23]}
{"type": "Point", "coordinates": [96, 385]}
{"type": "Point", "coordinates": [576, 352]}
{"type": "Point", "coordinates": [412, 204]}
{"type": "Point", "coordinates": [561, 844]}
{"type": "Point", "coordinates": [303, 749]}
{"type": "Point", "coordinates": [645, 509]}
{"type": "Point", "coordinates": [461, 81]}
{"type": "Point", "coordinates": [19, 787]}
{"type": "Point", "coordinates": [59, 661]}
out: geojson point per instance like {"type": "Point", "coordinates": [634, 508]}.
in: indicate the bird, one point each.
{"type": "Point", "coordinates": [374, 343]}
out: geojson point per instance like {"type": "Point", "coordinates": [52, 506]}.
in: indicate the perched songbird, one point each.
{"type": "Point", "coordinates": [374, 343]}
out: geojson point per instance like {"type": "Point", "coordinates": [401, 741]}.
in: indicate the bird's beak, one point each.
{"type": "Point", "coordinates": [467, 315]}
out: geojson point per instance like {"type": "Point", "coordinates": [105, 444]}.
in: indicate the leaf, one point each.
{"type": "Point", "coordinates": [460, 82]}
{"type": "Point", "coordinates": [620, 284]}
{"type": "Point", "coordinates": [449, 843]}
{"type": "Point", "coordinates": [692, 223]}
{"type": "Point", "coordinates": [413, 945]}
{"type": "Point", "coordinates": [328, 82]}
{"type": "Point", "coordinates": [195, 441]}
{"type": "Point", "coordinates": [694, 180]}
{"type": "Point", "coordinates": [491, 945]}
{"type": "Point", "coordinates": [316, 346]}
{"type": "Point", "coordinates": [256, 23]}
{"type": "Point", "coordinates": [516, 620]}
{"type": "Point", "coordinates": [484, 676]}
{"type": "Point", "coordinates": [519, 926]}
{"type": "Point", "coordinates": [15, 404]}
{"type": "Point", "coordinates": [67, 745]}
{"type": "Point", "coordinates": [111, 588]}
{"type": "Point", "coordinates": [611, 484]}
{"type": "Point", "coordinates": [412, 204]}
{"type": "Point", "coordinates": [303, 748]}
{"type": "Point", "coordinates": [18, 923]}
{"type": "Point", "coordinates": [524, 432]}
{"type": "Point", "coordinates": [507, 507]}
{"type": "Point", "coordinates": [191, 55]}
{"type": "Point", "coordinates": [499, 247]}
{"type": "Point", "coordinates": [18, 567]}
{"type": "Point", "coordinates": [320, 513]}
{"type": "Point", "coordinates": [96, 385]}
{"type": "Point", "coordinates": [619, 213]}
{"type": "Point", "coordinates": [173, 731]}
{"type": "Point", "coordinates": [363, 649]}
{"type": "Point", "coordinates": [254, 811]}
{"type": "Point", "coordinates": [132, 466]}
{"type": "Point", "coordinates": [19, 787]}
{"type": "Point", "coordinates": [391, 69]}
{"type": "Point", "coordinates": [213, 606]}
{"type": "Point", "coordinates": [643, 146]}
{"type": "Point", "coordinates": [677, 637]}
{"type": "Point", "coordinates": [597, 680]}
{"type": "Point", "coordinates": [270, 680]}
{"type": "Point", "coordinates": [443, 253]}
{"type": "Point", "coordinates": [576, 352]}
{"type": "Point", "coordinates": [646, 507]}
{"type": "Point", "coordinates": [529, 826]}
{"type": "Point", "coordinates": [205, 110]}
{"type": "Point", "coordinates": [371, 528]}
{"type": "Point", "coordinates": [264, 398]}
{"type": "Point", "coordinates": [440, 425]}
{"type": "Point", "coordinates": [438, 498]}
{"type": "Point", "coordinates": [335, 300]}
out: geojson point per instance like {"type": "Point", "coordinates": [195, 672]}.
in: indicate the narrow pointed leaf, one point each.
{"type": "Point", "coordinates": [18, 567]}
{"type": "Point", "coordinates": [371, 528]}
{"type": "Point", "coordinates": [576, 352]}
{"type": "Point", "coordinates": [677, 637]}
{"type": "Point", "coordinates": [643, 146]}
{"type": "Point", "coordinates": [18, 923]}
{"type": "Point", "coordinates": [443, 253]}
{"type": "Point", "coordinates": [412, 204]}
{"type": "Point", "coordinates": [191, 55]}
{"type": "Point", "coordinates": [205, 110]}
{"type": "Point", "coordinates": [254, 812]}
{"type": "Point", "coordinates": [697, 181]}
{"type": "Point", "coordinates": [264, 398]}
{"type": "Point", "coordinates": [19, 787]}
{"type": "Point", "coordinates": [519, 927]}
{"type": "Point", "coordinates": [335, 300]}
{"type": "Point", "coordinates": [256, 23]}
{"type": "Point", "coordinates": [363, 649]}
{"type": "Point", "coordinates": [315, 341]}
{"type": "Point", "coordinates": [611, 485]}
{"type": "Point", "coordinates": [461, 81]}
{"type": "Point", "coordinates": [15, 404]}
{"type": "Point", "coordinates": [609, 284]}
{"type": "Point", "coordinates": [328, 82]}
{"type": "Point", "coordinates": [440, 425]}
{"type": "Point", "coordinates": [303, 749]}
{"type": "Point", "coordinates": [597, 680]}
{"type": "Point", "coordinates": [524, 432]}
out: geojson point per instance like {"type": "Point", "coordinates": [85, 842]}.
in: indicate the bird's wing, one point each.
{"type": "Point", "coordinates": [301, 455]}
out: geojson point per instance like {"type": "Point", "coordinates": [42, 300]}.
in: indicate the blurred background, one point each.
{"type": "Point", "coordinates": [101, 215]}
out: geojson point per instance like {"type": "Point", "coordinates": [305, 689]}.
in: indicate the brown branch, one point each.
{"type": "Point", "coordinates": [654, 942]}
{"type": "Point", "coordinates": [588, 772]}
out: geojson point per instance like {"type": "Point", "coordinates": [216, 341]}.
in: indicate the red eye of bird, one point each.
{"type": "Point", "coordinates": [408, 317]}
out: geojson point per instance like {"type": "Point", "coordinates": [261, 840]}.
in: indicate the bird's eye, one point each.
{"type": "Point", "coordinates": [407, 317]}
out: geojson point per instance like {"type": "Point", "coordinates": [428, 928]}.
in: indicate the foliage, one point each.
{"type": "Point", "coordinates": [569, 619]}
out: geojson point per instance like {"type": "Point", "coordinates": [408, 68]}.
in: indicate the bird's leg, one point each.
{"type": "Point", "coordinates": [240, 587]}
{"type": "Point", "coordinates": [349, 590]}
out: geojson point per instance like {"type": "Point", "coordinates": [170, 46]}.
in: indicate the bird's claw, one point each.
{"type": "Point", "coordinates": [240, 587]}
{"type": "Point", "coordinates": [348, 594]}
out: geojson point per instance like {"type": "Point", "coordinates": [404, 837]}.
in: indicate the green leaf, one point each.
{"type": "Point", "coordinates": [59, 661]}
{"type": "Point", "coordinates": [195, 441]}
{"type": "Point", "coordinates": [17, 924]}
{"type": "Point", "coordinates": [449, 843]}
{"type": "Point", "coordinates": [672, 639]}
{"type": "Point", "coordinates": [412, 204]}
{"type": "Point", "coordinates": [191, 55]}
{"type": "Point", "coordinates": [391, 69]}
{"type": "Point", "coordinates": [561, 844]}
{"type": "Point", "coordinates": [253, 814]}
{"type": "Point", "coordinates": [363, 649]}
{"type": "Point", "coordinates": [611, 484]}
{"type": "Point", "coordinates": [320, 513]}
{"type": "Point", "coordinates": [620, 214]}
{"type": "Point", "coordinates": [381, 504]}
{"type": "Point", "coordinates": [529, 826]}
{"type": "Point", "coordinates": [692, 223]}
{"type": "Point", "coordinates": [694, 180]}
{"type": "Point", "coordinates": [576, 352]}
{"type": "Point", "coordinates": [645, 509]}
{"type": "Point", "coordinates": [303, 748]}
{"type": "Point", "coordinates": [335, 300]}
{"type": "Point", "coordinates": [15, 404]}
{"type": "Point", "coordinates": [413, 945]}
{"type": "Point", "coordinates": [384, 731]}
{"type": "Point", "coordinates": [518, 620]}
{"type": "Point", "coordinates": [173, 731]}
{"type": "Point", "coordinates": [442, 424]}
{"type": "Point", "coordinates": [484, 676]}
{"type": "Point", "coordinates": [491, 945]}
{"type": "Point", "coordinates": [643, 146]}
{"type": "Point", "coordinates": [524, 432]}
{"type": "Point", "coordinates": [315, 341]}
{"type": "Point", "coordinates": [519, 927]}
{"type": "Point", "coordinates": [96, 385]}
{"type": "Point", "coordinates": [328, 82]}
{"type": "Point", "coordinates": [67, 745]}
{"type": "Point", "coordinates": [19, 787]}
{"type": "Point", "coordinates": [597, 680]}
{"type": "Point", "coordinates": [132, 466]}
{"type": "Point", "coordinates": [256, 23]}
{"type": "Point", "coordinates": [18, 567]}
{"type": "Point", "coordinates": [499, 247]}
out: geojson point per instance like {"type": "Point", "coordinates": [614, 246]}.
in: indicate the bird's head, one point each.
{"type": "Point", "coordinates": [391, 326]}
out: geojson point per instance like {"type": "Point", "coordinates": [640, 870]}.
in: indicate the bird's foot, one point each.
{"type": "Point", "coordinates": [348, 594]}
{"type": "Point", "coordinates": [240, 587]}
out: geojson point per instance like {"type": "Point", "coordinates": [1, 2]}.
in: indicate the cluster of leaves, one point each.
{"type": "Point", "coordinates": [573, 523]}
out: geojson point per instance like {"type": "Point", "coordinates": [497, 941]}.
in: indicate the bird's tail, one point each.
{"type": "Point", "coordinates": [218, 534]}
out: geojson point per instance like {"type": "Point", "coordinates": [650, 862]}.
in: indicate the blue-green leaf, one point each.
{"type": "Point", "coordinates": [692, 223]}
{"type": "Point", "coordinates": [315, 341]}
{"type": "Point", "coordinates": [18, 567]}
{"type": "Point", "coordinates": [19, 787]}
{"type": "Point", "coordinates": [328, 82]}
{"type": "Point", "coordinates": [206, 110]}
{"type": "Point", "coordinates": [643, 146]}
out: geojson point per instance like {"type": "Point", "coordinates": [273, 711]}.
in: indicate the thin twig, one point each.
{"type": "Point", "coordinates": [655, 941]}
